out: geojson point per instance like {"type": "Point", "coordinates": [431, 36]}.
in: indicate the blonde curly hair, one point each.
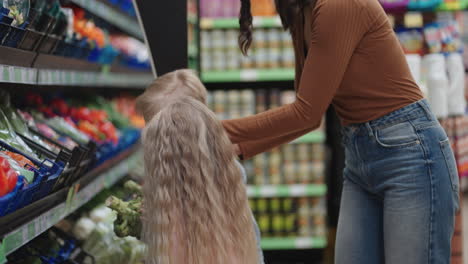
{"type": "Point", "coordinates": [166, 89]}
{"type": "Point", "coordinates": [196, 207]}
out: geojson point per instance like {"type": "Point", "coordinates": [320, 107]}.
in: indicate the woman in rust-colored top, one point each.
{"type": "Point", "coordinates": [400, 189]}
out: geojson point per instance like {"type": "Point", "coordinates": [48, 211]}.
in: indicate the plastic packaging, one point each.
{"type": "Point", "coordinates": [414, 63]}
{"type": "Point", "coordinates": [437, 84]}
{"type": "Point", "coordinates": [456, 93]}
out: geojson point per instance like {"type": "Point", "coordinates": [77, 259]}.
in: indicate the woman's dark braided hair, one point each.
{"type": "Point", "coordinates": [288, 10]}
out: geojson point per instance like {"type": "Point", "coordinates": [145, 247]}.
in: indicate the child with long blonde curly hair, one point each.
{"type": "Point", "coordinates": [196, 207]}
{"type": "Point", "coordinates": [164, 91]}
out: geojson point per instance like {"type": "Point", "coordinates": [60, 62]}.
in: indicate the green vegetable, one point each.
{"type": "Point", "coordinates": [128, 221]}
{"type": "Point", "coordinates": [63, 127]}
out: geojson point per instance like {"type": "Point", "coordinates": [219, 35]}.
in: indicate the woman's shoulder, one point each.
{"type": "Point", "coordinates": [368, 10]}
{"type": "Point", "coordinates": [347, 5]}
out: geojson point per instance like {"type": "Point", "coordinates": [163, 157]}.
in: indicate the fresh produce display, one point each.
{"type": "Point", "coordinates": [88, 240]}
{"type": "Point", "coordinates": [40, 129]}
{"type": "Point", "coordinates": [128, 221]}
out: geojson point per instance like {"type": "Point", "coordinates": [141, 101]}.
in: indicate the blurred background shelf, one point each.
{"type": "Point", "coordinates": [294, 190]}
{"type": "Point", "coordinates": [293, 243]}
{"type": "Point", "coordinates": [112, 15]}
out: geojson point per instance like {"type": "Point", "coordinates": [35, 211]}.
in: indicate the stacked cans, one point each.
{"type": "Point", "coordinates": [283, 217]}
{"type": "Point", "coordinates": [271, 48]}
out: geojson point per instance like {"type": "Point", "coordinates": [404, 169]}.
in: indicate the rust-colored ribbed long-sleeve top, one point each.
{"type": "Point", "coordinates": [354, 61]}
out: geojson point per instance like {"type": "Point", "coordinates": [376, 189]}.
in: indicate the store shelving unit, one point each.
{"type": "Point", "coordinates": [112, 15]}
{"type": "Point", "coordinates": [16, 234]}
{"type": "Point", "coordinates": [25, 67]}
{"type": "Point", "coordinates": [34, 70]}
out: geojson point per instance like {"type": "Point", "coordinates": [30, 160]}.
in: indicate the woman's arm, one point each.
{"type": "Point", "coordinates": [337, 30]}
{"type": "Point", "coordinates": [251, 148]}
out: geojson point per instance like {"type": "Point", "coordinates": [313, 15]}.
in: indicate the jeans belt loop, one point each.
{"type": "Point", "coordinates": [369, 129]}
{"type": "Point", "coordinates": [423, 105]}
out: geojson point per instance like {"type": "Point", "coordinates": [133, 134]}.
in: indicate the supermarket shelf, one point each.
{"type": "Point", "coordinates": [293, 243]}
{"type": "Point", "coordinates": [99, 79]}
{"type": "Point", "coordinates": [281, 74]}
{"type": "Point", "coordinates": [295, 190]}
{"type": "Point", "coordinates": [17, 74]}
{"type": "Point", "coordinates": [225, 23]}
{"type": "Point", "coordinates": [23, 75]}
{"type": "Point", "coordinates": [75, 199]}
{"type": "Point", "coordinates": [313, 137]}
{"type": "Point", "coordinates": [112, 15]}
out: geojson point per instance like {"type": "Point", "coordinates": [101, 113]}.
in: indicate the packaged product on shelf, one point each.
{"type": "Point", "coordinates": [220, 104]}
{"type": "Point", "coordinates": [261, 169]}
{"type": "Point", "coordinates": [275, 167]}
{"type": "Point", "coordinates": [318, 172]}
{"type": "Point", "coordinates": [437, 83]}
{"type": "Point", "coordinates": [411, 40]}
{"type": "Point", "coordinates": [304, 223]}
{"type": "Point", "coordinates": [304, 172]}
{"type": "Point", "coordinates": [433, 37]}
{"type": "Point", "coordinates": [278, 221]}
{"type": "Point", "coordinates": [287, 50]}
{"type": "Point", "coordinates": [234, 103]}
{"type": "Point", "coordinates": [290, 225]}
{"type": "Point", "coordinates": [260, 44]}
{"type": "Point", "coordinates": [303, 216]}
{"type": "Point", "coordinates": [318, 152]}
{"type": "Point", "coordinates": [456, 75]}
{"type": "Point", "coordinates": [247, 103]}
{"type": "Point", "coordinates": [274, 47]}
{"type": "Point", "coordinates": [290, 172]}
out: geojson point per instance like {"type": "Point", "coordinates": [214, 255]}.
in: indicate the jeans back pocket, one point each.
{"type": "Point", "coordinates": [451, 163]}
{"type": "Point", "coordinates": [397, 136]}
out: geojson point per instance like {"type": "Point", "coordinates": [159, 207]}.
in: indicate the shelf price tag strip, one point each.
{"type": "Point", "coordinates": [40, 224]}
{"type": "Point", "coordinates": [296, 190]}
{"type": "Point", "coordinates": [294, 243]}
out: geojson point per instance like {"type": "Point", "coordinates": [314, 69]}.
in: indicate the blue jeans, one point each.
{"type": "Point", "coordinates": [400, 191]}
